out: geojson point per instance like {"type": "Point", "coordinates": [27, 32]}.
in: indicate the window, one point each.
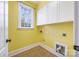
{"type": "Point", "coordinates": [26, 16]}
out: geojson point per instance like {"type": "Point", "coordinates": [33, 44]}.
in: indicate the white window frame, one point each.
{"type": "Point", "coordinates": [19, 16]}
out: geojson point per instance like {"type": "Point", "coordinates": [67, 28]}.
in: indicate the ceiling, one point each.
{"type": "Point", "coordinates": [35, 2]}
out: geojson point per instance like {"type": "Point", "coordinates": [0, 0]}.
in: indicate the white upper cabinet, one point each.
{"type": "Point", "coordinates": [51, 12]}
{"type": "Point", "coordinates": [55, 12]}
{"type": "Point", "coordinates": [42, 16]}
{"type": "Point", "coordinates": [65, 11]}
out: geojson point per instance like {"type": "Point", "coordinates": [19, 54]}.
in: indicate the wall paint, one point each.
{"type": "Point", "coordinates": [21, 37]}
{"type": "Point", "coordinates": [53, 34]}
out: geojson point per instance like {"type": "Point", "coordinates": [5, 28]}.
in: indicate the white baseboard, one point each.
{"type": "Point", "coordinates": [15, 52]}
{"type": "Point", "coordinates": [51, 50]}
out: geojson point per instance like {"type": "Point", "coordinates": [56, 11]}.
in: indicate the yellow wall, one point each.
{"type": "Point", "coordinates": [21, 37]}
{"type": "Point", "coordinates": [53, 34]}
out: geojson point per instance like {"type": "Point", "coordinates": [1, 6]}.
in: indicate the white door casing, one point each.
{"type": "Point", "coordinates": [76, 29]}
{"type": "Point", "coordinates": [3, 28]}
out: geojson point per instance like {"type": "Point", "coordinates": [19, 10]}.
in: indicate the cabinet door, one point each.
{"type": "Point", "coordinates": [42, 16]}
{"type": "Point", "coordinates": [66, 11]}
{"type": "Point", "coordinates": [52, 12]}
